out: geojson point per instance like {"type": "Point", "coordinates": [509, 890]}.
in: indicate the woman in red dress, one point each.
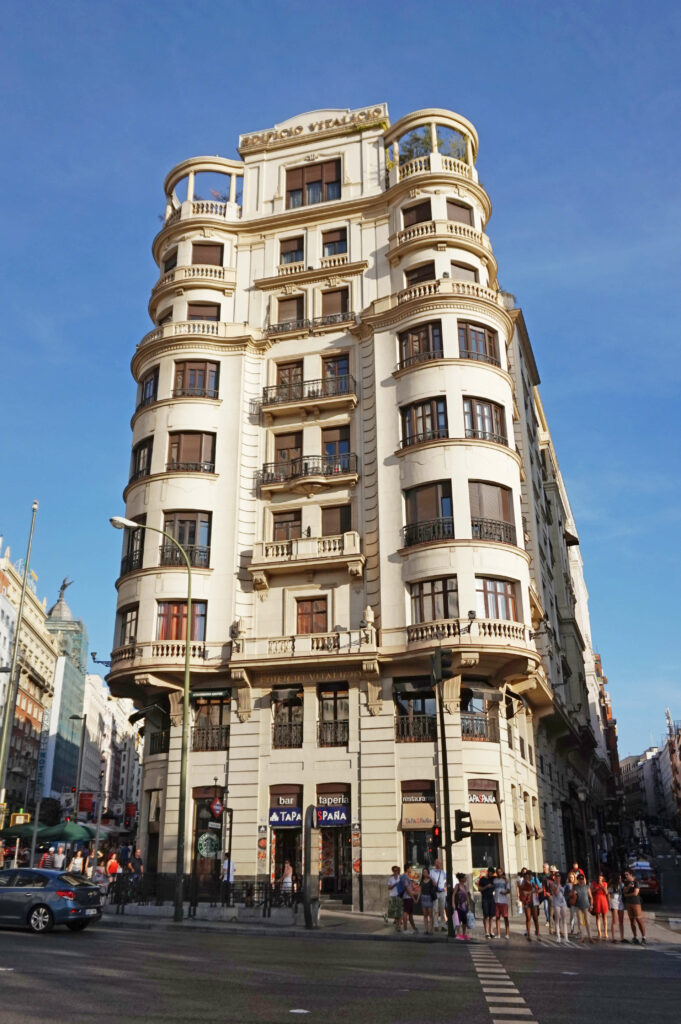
{"type": "Point", "coordinates": [599, 892]}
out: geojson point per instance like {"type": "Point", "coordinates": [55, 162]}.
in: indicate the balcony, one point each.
{"type": "Point", "coordinates": [287, 735]}
{"type": "Point", "coordinates": [428, 531]}
{"type": "Point", "coordinates": [493, 529]}
{"type": "Point", "coordinates": [329, 392]}
{"type": "Point", "coordinates": [420, 357]}
{"type": "Point", "coordinates": [146, 400]}
{"type": "Point", "coordinates": [288, 327]}
{"type": "Point", "coordinates": [211, 737]}
{"type": "Point", "coordinates": [190, 467]}
{"type": "Point", "coordinates": [415, 728]}
{"type": "Point", "coordinates": [332, 734]}
{"type": "Point", "coordinates": [318, 323]}
{"type": "Point", "coordinates": [460, 633]}
{"type": "Point", "coordinates": [321, 323]}
{"type": "Point", "coordinates": [197, 273]}
{"type": "Point", "coordinates": [480, 357]}
{"type": "Point", "coordinates": [486, 435]}
{"type": "Point", "coordinates": [305, 554]}
{"type": "Point", "coordinates": [306, 647]}
{"type": "Point", "coordinates": [199, 557]}
{"type": "Point", "coordinates": [137, 474]}
{"type": "Point", "coordinates": [448, 286]}
{"type": "Point", "coordinates": [315, 470]}
{"type": "Point", "coordinates": [441, 232]}
{"type": "Point", "coordinates": [164, 654]}
{"type": "Point", "coordinates": [431, 163]}
{"type": "Point", "coordinates": [477, 725]}
{"type": "Point", "coordinates": [199, 329]}
{"type": "Point", "coordinates": [194, 393]}
{"type": "Point", "coordinates": [131, 562]}
{"type": "Point", "coordinates": [158, 742]}
{"type": "Point", "coordinates": [438, 434]}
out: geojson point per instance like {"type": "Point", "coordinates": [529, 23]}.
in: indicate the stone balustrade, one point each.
{"type": "Point", "coordinates": [438, 228]}
{"type": "Point", "coordinates": [447, 286]}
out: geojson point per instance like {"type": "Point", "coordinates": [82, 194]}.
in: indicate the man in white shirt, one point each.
{"type": "Point", "coordinates": [227, 878]}
{"type": "Point", "coordinates": [439, 878]}
{"type": "Point", "coordinates": [59, 858]}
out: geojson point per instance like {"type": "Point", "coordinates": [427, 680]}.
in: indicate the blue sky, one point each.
{"type": "Point", "coordinates": [578, 109]}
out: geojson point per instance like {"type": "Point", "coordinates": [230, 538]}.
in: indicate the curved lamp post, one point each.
{"type": "Point", "coordinates": [120, 523]}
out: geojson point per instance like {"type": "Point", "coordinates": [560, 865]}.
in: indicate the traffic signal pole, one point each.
{"type": "Point", "coordinates": [436, 667]}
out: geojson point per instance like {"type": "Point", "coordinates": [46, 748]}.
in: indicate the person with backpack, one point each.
{"type": "Point", "coordinates": [395, 907]}
{"type": "Point", "coordinates": [47, 859]}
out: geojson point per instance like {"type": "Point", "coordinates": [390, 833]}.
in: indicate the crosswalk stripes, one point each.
{"type": "Point", "coordinates": [504, 1002]}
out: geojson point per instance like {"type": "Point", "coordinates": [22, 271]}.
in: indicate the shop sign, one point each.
{"type": "Point", "coordinates": [208, 845]}
{"type": "Point", "coordinates": [418, 809]}
{"type": "Point", "coordinates": [482, 798]}
{"type": "Point", "coordinates": [333, 816]}
{"type": "Point", "coordinates": [216, 825]}
{"type": "Point", "coordinates": [285, 816]}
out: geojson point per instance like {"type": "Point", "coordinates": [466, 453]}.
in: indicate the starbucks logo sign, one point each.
{"type": "Point", "coordinates": [208, 844]}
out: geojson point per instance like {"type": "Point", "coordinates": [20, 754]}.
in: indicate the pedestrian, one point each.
{"type": "Point", "coordinates": [124, 855]}
{"type": "Point", "coordinates": [501, 893]}
{"type": "Point", "coordinates": [583, 907]}
{"type": "Point", "coordinates": [112, 866]}
{"type": "Point", "coordinates": [545, 894]}
{"type": "Point", "coordinates": [599, 896]}
{"type": "Point", "coordinates": [2, 854]}
{"type": "Point", "coordinates": [578, 871]}
{"type": "Point", "coordinates": [616, 901]}
{"type": "Point", "coordinates": [528, 891]}
{"type": "Point", "coordinates": [439, 877]}
{"type": "Point", "coordinates": [461, 905]}
{"type": "Point", "coordinates": [395, 898]}
{"type": "Point", "coordinates": [571, 897]}
{"type": "Point", "coordinates": [136, 865]}
{"type": "Point", "coordinates": [408, 897]}
{"type": "Point", "coordinates": [632, 905]}
{"type": "Point", "coordinates": [47, 859]}
{"type": "Point", "coordinates": [227, 879]}
{"type": "Point", "coordinates": [77, 865]}
{"type": "Point", "coordinates": [286, 882]}
{"type": "Point", "coordinates": [559, 907]}
{"type": "Point", "coordinates": [486, 890]}
{"type": "Point", "coordinates": [428, 899]}
{"type": "Point", "coordinates": [59, 858]}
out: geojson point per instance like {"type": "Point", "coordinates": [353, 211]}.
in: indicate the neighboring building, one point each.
{"type": "Point", "coordinates": [338, 417]}
{"type": "Point", "coordinates": [65, 727]}
{"type": "Point", "coordinates": [112, 746]}
{"type": "Point", "coordinates": [37, 662]}
{"type": "Point", "coordinates": [8, 620]}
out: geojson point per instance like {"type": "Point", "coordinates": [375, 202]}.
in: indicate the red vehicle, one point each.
{"type": "Point", "coordinates": [647, 880]}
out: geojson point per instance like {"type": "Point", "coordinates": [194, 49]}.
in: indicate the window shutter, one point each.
{"type": "Point", "coordinates": [290, 309]}
{"type": "Point", "coordinates": [190, 447]}
{"type": "Point", "coordinates": [332, 435]}
{"type": "Point", "coordinates": [335, 302]}
{"type": "Point", "coordinates": [284, 442]}
{"type": "Point", "coordinates": [207, 253]}
{"type": "Point", "coordinates": [330, 172]}
{"type": "Point", "coordinates": [294, 179]}
{"type": "Point", "coordinates": [462, 272]}
{"type": "Point", "coordinates": [417, 214]}
{"type": "Point", "coordinates": [330, 237]}
{"type": "Point", "coordinates": [426, 272]}
{"type": "Point", "coordinates": [203, 311]}
{"type": "Point", "coordinates": [459, 212]}
{"type": "Point", "coordinates": [476, 499]}
{"type": "Point", "coordinates": [291, 245]}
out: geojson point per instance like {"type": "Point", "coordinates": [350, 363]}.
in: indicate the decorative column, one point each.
{"type": "Point", "coordinates": [190, 187]}
{"type": "Point", "coordinates": [232, 187]}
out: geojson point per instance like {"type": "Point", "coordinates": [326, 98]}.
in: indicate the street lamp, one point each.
{"type": "Point", "coordinates": [83, 719]}
{"type": "Point", "coordinates": [121, 523]}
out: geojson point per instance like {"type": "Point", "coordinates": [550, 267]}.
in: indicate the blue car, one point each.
{"type": "Point", "coordinates": [39, 899]}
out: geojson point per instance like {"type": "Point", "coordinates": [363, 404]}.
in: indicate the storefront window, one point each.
{"type": "Point", "coordinates": [485, 850]}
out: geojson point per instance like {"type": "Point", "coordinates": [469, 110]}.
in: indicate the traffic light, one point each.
{"type": "Point", "coordinates": [441, 663]}
{"type": "Point", "coordinates": [435, 841]}
{"type": "Point", "coordinates": [462, 826]}
{"type": "Point", "coordinates": [127, 823]}
{"type": "Point", "coordinates": [73, 789]}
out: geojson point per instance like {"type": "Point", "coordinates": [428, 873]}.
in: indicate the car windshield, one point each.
{"type": "Point", "coordinates": [73, 879]}
{"type": "Point", "coordinates": [642, 876]}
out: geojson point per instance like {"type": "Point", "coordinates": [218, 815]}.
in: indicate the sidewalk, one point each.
{"type": "Point", "coordinates": [334, 923]}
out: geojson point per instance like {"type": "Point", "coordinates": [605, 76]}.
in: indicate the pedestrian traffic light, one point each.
{"type": "Point", "coordinates": [435, 841]}
{"type": "Point", "coordinates": [441, 663]}
{"type": "Point", "coordinates": [462, 826]}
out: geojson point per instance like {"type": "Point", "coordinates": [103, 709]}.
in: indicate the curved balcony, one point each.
{"type": "Point", "coordinates": [200, 329]}
{"type": "Point", "coordinates": [198, 275]}
{"type": "Point", "coordinates": [415, 728]}
{"type": "Point", "coordinates": [131, 562]}
{"type": "Point", "coordinates": [428, 531]}
{"type": "Point", "coordinates": [327, 393]}
{"type": "Point", "coordinates": [486, 435]}
{"type": "Point", "coordinates": [431, 163]}
{"type": "Point", "coordinates": [479, 726]}
{"type": "Point", "coordinates": [493, 529]}
{"type": "Point", "coordinates": [199, 556]}
{"type": "Point", "coordinates": [310, 471]}
{"type": "Point", "coordinates": [430, 356]}
{"type": "Point", "coordinates": [441, 232]}
{"type": "Point", "coordinates": [448, 286]}
{"type": "Point", "coordinates": [165, 659]}
{"type": "Point", "coordinates": [437, 434]}
{"type": "Point", "coordinates": [190, 467]}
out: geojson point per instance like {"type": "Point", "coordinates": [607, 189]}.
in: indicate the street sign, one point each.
{"type": "Point", "coordinates": [19, 819]}
{"type": "Point", "coordinates": [216, 808]}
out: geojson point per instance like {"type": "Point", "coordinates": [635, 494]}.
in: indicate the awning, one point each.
{"type": "Point", "coordinates": [418, 815]}
{"type": "Point", "coordinates": [485, 817]}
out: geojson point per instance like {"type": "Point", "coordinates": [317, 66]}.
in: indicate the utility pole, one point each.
{"type": "Point", "coordinates": [441, 669]}
{"type": "Point", "coordinates": [13, 681]}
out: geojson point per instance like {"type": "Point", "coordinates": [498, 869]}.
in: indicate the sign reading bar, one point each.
{"type": "Point", "coordinates": [281, 817]}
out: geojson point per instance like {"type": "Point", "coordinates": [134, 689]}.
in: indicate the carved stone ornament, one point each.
{"type": "Point", "coordinates": [288, 289]}
{"type": "Point", "coordinates": [414, 192]}
{"type": "Point", "coordinates": [374, 696]}
{"type": "Point", "coordinates": [451, 694]}
{"type": "Point", "coordinates": [244, 704]}
{"type": "Point", "coordinates": [259, 579]}
{"type": "Point", "coordinates": [333, 282]}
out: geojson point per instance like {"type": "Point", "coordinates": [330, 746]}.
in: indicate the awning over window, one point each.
{"type": "Point", "coordinates": [485, 817]}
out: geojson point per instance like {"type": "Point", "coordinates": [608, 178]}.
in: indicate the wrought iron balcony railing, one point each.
{"type": "Point", "coordinates": [195, 393]}
{"type": "Point", "coordinates": [287, 735]}
{"type": "Point", "coordinates": [437, 434]}
{"type": "Point", "coordinates": [415, 728]}
{"type": "Point", "coordinates": [308, 465]}
{"type": "Point", "coordinates": [333, 734]}
{"type": "Point", "coordinates": [333, 318]}
{"type": "Point", "coordinates": [429, 530]}
{"type": "Point", "coordinates": [482, 357]}
{"type": "Point", "coordinates": [288, 325]}
{"type": "Point", "coordinates": [420, 357]}
{"type": "Point", "coordinates": [300, 391]}
{"type": "Point", "coordinates": [131, 562]}
{"type": "Point", "coordinates": [199, 557]}
{"type": "Point", "coordinates": [158, 742]}
{"type": "Point", "coordinates": [211, 737]}
{"type": "Point", "coordinates": [486, 435]}
{"type": "Point", "coordinates": [190, 467]}
{"type": "Point", "coordinates": [137, 474]}
{"type": "Point", "coordinates": [476, 725]}
{"type": "Point", "coordinates": [493, 529]}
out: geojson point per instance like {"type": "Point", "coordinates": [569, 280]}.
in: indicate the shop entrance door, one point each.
{"type": "Point", "coordinates": [288, 845]}
{"type": "Point", "coordinates": [336, 867]}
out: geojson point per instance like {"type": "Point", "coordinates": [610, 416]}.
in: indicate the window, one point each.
{"type": "Point", "coordinates": [336, 519]}
{"type": "Point", "coordinates": [171, 621]}
{"type": "Point", "coordinates": [478, 342]}
{"type": "Point", "coordinates": [291, 250]}
{"type": "Point", "coordinates": [207, 254]}
{"type": "Point", "coordinates": [459, 212]}
{"type": "Point", "coordinates": [336, 375]}
{"type": "Point", "coordinates": [521, 747]}
{"type": "Point", "coordinates": [336, 444]}
{"type": "Point", "coordinates": [318, 183]}
{"type": "Point", "coordinates": [424, 421]}
{"type": "Point", "coordinates": [170, 262]}
{"type": "Point", "coordinates": [196, 380]}
{"type": "Point", "coordinates": [484, 420]}
{"type": "Point", "coordinates": [148, 388]}
{"type": "Point", "coordinates": [417, 214]}
{"type": "Point", "coordinates": [211, 724]}
{"type": "Point", "coordinates": [286, 525]}
{"type": "Point", "coordinates": [288, 446]}
{"type": "Point", "coordinates": [426, 272]}
{"type": "Point", "coordinates": [334, 714]}
{"type": "Point", "coordinates": [311, 615]}
{"type": "Point", "coordinates": [434, 599]}
{"type": "Point", "coordinates": [429, 513]}
{"type": "Point", "coordinates": [191, 453]}
{"type": "Point", "coordinates": [287, 706]}
{"type": "Point", "coordinates": [203, 311]}
{"type": "Point", "coordinates": [127, 625]}
{"type": "Point", "coordinates": [464, 272]}
{"type": "Point", "coordinates": [141, 459]}
{"type": "Point", "coordinates": [496, 599]}
{"type": "Point", "coordinates": [291, 310]}
{"type": "Point", "coordinates": [415, 710]}
{"type": "Point", "coordinates": [289, 386]}
{"type": "Point", "coordinates": [192, 531]}
{"type": "Point", "coordinates": [335, 243]}
{"type": "Point", "coordinates": [335, 304]}
{"type": "Point", "coordinates": [133, 547]}
{"type": "Point", "coordinates": [421, 343]}
{"type": "Point", "coordinates": [491, 512]}
{"type": "Point", "coordinates": [165, 317]}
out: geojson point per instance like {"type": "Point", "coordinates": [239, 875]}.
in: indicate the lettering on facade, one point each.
{"type": "Point", "coordinates": [282, 817]}
{"type": "Point", "coordinates": [333, 799]}
{"type": "Point", "coordinates": [482, 798]}
{"type": "Point", "coordinates": [333, 816]}
{"type": "Point", "coordinates": [355, 117]}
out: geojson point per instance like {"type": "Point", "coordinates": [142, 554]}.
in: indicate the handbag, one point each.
{"type": "Point", "coordinates": [572, 898]}
{"type": "Point", "coordinates": [470, 919]}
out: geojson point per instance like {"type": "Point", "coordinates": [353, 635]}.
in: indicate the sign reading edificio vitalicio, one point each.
{"type": "Point", "coordinates": [320, 121]}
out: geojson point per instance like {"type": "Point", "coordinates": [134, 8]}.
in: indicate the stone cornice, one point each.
{"type": "Point", "coordinates": [149, 353]}
{"type": "Point", "coordinates": [388, 318]}
{"type": "Point", "coordinates": [447, 361]}
{"type": "Point", "coordinates": [339, 273]}
{"type": "Point", "coordinates": [173, 475]}
{"type": "Point", "coordinates": [461, 441]}
{"type": "Point", "coordinates": [159, 403]}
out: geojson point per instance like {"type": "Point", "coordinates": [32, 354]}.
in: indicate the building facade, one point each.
{"type": "Point", "coordinates": [338, 417]}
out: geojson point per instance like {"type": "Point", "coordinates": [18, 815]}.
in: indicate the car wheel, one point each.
{"type": "Point", "coordinates": [41, 919]}
{"type": "Point", "coordinates": [77, 926]}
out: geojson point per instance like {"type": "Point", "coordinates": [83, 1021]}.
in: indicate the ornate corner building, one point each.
{"type": "Point", "coordinates": [338, 417]}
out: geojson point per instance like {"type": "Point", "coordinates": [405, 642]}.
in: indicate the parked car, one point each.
{"type": "Point", "coordinates": [39, 899]}
{"type": "Point", "coordinates": [647, 879]}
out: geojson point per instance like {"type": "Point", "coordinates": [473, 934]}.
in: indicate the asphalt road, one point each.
{"type": "Point", "coordinates": [132, 974]}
